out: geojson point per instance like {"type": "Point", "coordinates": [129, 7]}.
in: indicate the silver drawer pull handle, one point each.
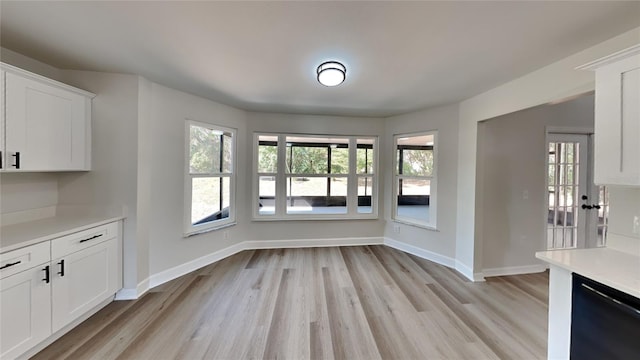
{"type": "Point", "coordinates": [10, 264]}
{"type": "Point", "coordinates": [91, 238]}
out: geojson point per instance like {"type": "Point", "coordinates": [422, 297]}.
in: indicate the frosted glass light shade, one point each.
{"type": "Point", "coordinates": [331, 73]}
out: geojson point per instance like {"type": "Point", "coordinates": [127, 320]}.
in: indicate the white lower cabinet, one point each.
{"type": "Point", "coordinates": [37, 300]}
{"type": "Point", "coordinates": [83, 280]}
{"type": "Point", "coordinates": [25, 308]}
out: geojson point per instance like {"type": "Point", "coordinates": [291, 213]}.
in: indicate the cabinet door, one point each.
{"type": "Point", "coordinates": [26, 311]}
{"type": "Point", "coordinates": [46, 126]}
{"type": "Point", "coordinates": [617, 125]}
{"type": "Point", "coordinates": [82, 280]}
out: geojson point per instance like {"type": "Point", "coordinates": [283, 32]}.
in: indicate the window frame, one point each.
{"type": "Point", "coordinates": [281, 175]}
{"type": "Point", "coordinates": [433, 185]}
{"type": "Point", "coordinates": [189, 228]}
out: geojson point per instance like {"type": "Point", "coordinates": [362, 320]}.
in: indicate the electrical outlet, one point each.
{"type": "Point", "coordinates": [396, 229]}
{"type": "Point", "coordinates": [636, 225]}
{"type": "Point", "coordinates": [225, 234]}
{"type": "Point", "coordinates": [525, 194]}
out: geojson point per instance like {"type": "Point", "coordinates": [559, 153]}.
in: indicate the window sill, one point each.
{"type": "Point", "coordinates": [418, 225]}
{"type": "Point", "coordinates": [209, 229]}
{"type": "Point", "coordinates": [312, 218]}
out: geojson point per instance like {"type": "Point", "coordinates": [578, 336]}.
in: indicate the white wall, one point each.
{"type": "Point", "coordinates": [310, 124]}
{"type": "Point", "coordinates": [441, 242]}
{"type": "Point", "coordinates": [27, 191]}
{"type": "Point", "coordinates": [511, 161]}
{"type": "Point", "coordinates": [144, 195]}
{"type": "Point", "coordinates": [111, 185]}
{"type": "Point", "coordinates": [555, 81]}
{"type": "Point", "coordinates": [165, 133]}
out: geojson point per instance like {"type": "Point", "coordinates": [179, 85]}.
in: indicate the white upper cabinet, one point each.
{"type": "Point", "coordinates": [617, 118]}
{"type": "Point", "coordinates": [46, 124]}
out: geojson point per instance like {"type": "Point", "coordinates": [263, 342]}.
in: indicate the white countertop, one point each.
{"type": "Point", "coordinates": [617, 269]}
{"type": "Point", "coordinates": [16, 236]}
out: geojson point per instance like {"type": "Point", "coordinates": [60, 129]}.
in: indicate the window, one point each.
{"type": "Point", "coordinates": [415, 179]}
{"type": "Point", "coordinates": [210, 177]}
{"type": "Point", "coordinates": [314, 177]}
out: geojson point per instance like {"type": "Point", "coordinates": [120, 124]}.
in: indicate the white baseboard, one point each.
{"type": "Point", "coordinates": [143, 287]}
{"type": "Point", "coordinates": [514, 270]}
{"type": "Point", "coordinates": [126, 294]}
{"type": "Point", "coordinates": [421, 253]}
{"type": "Point", "coordinates": [132, 294]}
{"type": "Point", "coordinates": [435, 257]}
{"type": "Point", "coordinates": [305, 243]}
{"type": "Point", "coordinates": [468, 272]}
{"type": "Point", "coordinates": [183, 269]}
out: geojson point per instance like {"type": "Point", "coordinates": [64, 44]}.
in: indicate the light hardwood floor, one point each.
{"type": "Point", "coordinates": [365, 302]}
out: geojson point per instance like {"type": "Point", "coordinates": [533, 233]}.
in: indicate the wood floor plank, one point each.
{"type": "Point", "coordinates": [281, 325]}
{"type": "Point", "coordinates": [367, 302]}
{"type": "Point", "coordinates": [449, 280]}
{"type": "Point", "coordinates": [321, 345]}
{"type": "Point", "coordinates": [379, 307]}
{"type": "Point", "coordinates": [231, 287]}
{"type": "Point", "coordinates": [412, 285]}
{"type": "Point", "coordinates": [89, 331]}
{"type": "Point", "coordinates": [445, 341]}
{"type": "Point", "coordinates": [351, 337]}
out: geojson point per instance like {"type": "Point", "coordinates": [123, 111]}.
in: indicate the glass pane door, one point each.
{"type": "Point", "coordinates": [566, 180]}
{"type": "Point", "coordinates": [602, 222]}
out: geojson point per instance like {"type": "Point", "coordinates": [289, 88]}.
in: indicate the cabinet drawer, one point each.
{"type": "Point", "coordinates": [82, 240]}
{"type": "Point", "coordinates": [26, 258]}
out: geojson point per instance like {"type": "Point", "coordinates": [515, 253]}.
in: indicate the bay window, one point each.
{"type": "Point", "coordinates": [314, 177]}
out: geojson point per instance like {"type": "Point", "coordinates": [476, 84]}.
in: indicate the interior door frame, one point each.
{"type": "Point", "coordinates": [550, 131]}
{"type": "Point", "coordinates": [591, 239]}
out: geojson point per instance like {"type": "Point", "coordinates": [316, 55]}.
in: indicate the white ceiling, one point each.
{"type": "Point", "coordinates": [262, 56]}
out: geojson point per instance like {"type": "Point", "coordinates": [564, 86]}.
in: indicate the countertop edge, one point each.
{"type": "Point", "coordinates": [591, 273]}
{"type": "Point", "coordinates": [57, 234]}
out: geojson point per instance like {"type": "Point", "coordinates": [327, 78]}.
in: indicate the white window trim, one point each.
{"type": "Point", "coordinates": [281, 176]}
{"type": "Point", "coordinates": [433, 196]}
{"type": "Point", "coordinates": [190, 229]}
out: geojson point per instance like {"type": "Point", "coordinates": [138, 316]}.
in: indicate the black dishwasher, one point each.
{"type": "Point", "coordinates": [605, 322]}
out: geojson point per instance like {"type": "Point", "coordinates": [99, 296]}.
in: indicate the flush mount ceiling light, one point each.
{"type": "Point", "coordinates": [331, 73]}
